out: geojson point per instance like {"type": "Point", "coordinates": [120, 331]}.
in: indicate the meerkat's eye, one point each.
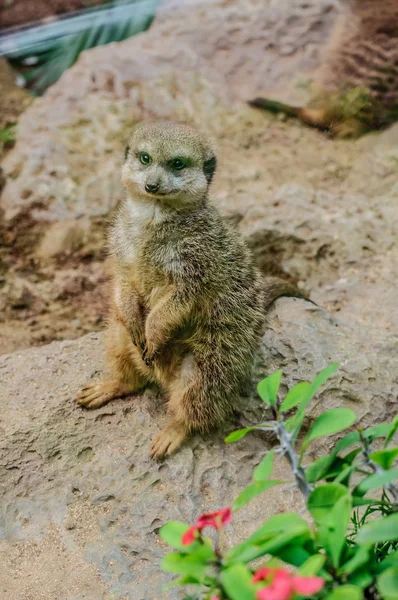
{"type": "Point", "coordinates": [145, 158]}
{"type": "Point", "coordinates": [178, 164]}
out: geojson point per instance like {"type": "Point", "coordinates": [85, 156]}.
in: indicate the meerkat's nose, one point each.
{"type": "Point", "coordinates": [152, 188]}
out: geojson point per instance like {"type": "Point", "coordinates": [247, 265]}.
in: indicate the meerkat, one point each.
{"type": "Point", "coordinates": [187, 302]}
{"type": "Point", "coordinates": [356, 86]}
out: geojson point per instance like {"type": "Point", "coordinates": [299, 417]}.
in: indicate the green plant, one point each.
{"type": "Point", "coordinates": [7, 136]}
{"type": "Point", "coordinates": [349, 552]}
{"type": "Point", "coordinates": [57, 55]}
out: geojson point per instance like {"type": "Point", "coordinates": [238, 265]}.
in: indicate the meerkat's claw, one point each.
{"type": "Point", "coordinates": [147, 357]}
{"type": "Point", "coordinates": [98, 393]}
{"type": "Point", "coordinates": [168, 441]}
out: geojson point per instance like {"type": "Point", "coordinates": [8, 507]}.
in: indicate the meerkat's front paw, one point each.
{"type": "Point", "coordinates": [98, 393]}
{"type": "Point", "coordinates": [137, 336]}
{"type": "Point", "coordinates": [168, 441]}
{"type": "Point", "coordinates": [148, 356]}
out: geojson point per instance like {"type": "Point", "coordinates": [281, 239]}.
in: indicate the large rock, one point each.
{"type": "Point", "coordinates": [81, 503]}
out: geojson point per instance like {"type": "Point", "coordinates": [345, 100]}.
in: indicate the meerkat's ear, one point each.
{"type": "Point", "coordinates": [209, 167]}
{"type": "Point", "coordinates": [126, 152]}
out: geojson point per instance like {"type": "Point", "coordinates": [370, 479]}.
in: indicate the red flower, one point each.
{"type": "Point", "coordinates": [189, 536]}
{"type": "Point", "coordinates": [215, 519]}
{"type": "Point", "coordinates": [283, 584]}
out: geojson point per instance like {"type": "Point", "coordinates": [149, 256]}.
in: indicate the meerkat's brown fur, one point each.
{"type": "Point", "coordinates": [188, 303]}
{"type": "Point", "coordinates": [356, 85]}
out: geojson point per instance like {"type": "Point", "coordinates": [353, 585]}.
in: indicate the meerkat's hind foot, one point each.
{"type": "Point", "coordinates": [96, 394]}
{"type": "Point", "coordinates": [168, 441]}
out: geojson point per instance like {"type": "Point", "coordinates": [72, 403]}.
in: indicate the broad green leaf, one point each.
{"type": "Point", "coordinates": [394, 427]}
{"type": "Point", "coordinates": [294, 554]}
{"type": "Point", "coordinates": [240, 433]}
{"type": "Point", "coordinates": [329, 422]}
{"type": "Point", "coordinates": [387, 584]}
{"type": "Point", "coordinates": [385, 458]}
{"type": "Point", "coordinates": [194, 564]}
{"type": "Point", "coordinates": [294, 423]}
{"type": "Point", "coordinates": [350, 438]}
{"type": "Point", "coordinates": [322, 377]}
{"type": "Point", "coordinates": [346, 592]}
{"type": "Point", "coordinates": [313, 565]}
{"type": "Point", "coordinates": [379, 530]}
{"type": "Point", "coordinates": [319, 468]}
{"type": "Point", "coordinates": [361, 578]}
{"type": "Point", "coordinates": [237, 435]}
{"type": "Point", "coordinates": [246, 553]}
{"type": "Point", "coordinates": [333, 528]}
{"type": "Point", "coordinates": [268, 388]}
{"type": "Point", "coordinates": [295, 396]}
{"type": "Point", "coordinates": [237, 582]}
{"type": "Point", "coordinates": [359, 559]}
{"type": "Point", "coordinates": [372, 433]}
{"type": "Point", "coordinates": [264, 469]}
{"type": "Point", "coordinates": [391, 560]}
{"type": "Point", "coordinates": [323, 499]}
{"type": "Point", "coordinates": [271, 529]}
{"type": "Point", "coordinates": [376, 481]}
{"type": "Point", "coordinates": [172, 533]}
{"type": "Point", "coordinates": [253, 490]}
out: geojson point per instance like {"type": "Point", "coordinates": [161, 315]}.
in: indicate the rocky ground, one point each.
{"type": "Point", "coordinates": [81, 503]}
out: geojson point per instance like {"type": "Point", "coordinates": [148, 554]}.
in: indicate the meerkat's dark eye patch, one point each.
{"type": "Point", "coordinates": [126, 152]}
{"type": "Point", "coordinates": [145, 159]}
{"type": "Point", "coordinates": [209, 168]}
{"type": "Point", "coordinates": [178, 163]}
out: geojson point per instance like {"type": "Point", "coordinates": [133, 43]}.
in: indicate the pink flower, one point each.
{"type": "Point", "coordinates": [283, 584]}
{"type": "Point", "coordinates": [215, 519]}
{"type": "Point", "coordinates": [214, 598]}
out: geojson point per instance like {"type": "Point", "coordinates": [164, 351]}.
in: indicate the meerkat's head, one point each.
{"type": "Point", "coordinates": [168, 163]}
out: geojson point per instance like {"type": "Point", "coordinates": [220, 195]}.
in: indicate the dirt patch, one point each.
{"type": "Point", "coordinates": [20, 12]}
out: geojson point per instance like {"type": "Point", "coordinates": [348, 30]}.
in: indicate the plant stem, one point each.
{"type": "Point", "coordinates": [293, 460]}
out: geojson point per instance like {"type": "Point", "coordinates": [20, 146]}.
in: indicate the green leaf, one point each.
{"type": "Point", "coordinates": [387, 584]}
{"type": "Point", "coordinates": [313, 565]}
{"type": "Point", "coordinates": [333, 528]}
{"type": "Point", "coordinates": [253, 490]}
{"type": "Point", "coordinates": [295, 396]}
{"type": "Point", "coordinates": [346, 592]}
{"type": "Point", "coordinates": [348, 440]}
{"type": "Point", "coordinates": [194, 564]}
{"type": "Point", "coordinates": [264, 469]}
{"type": "Point", "coordinates": [379, 530]}
{"type": "Point", "coordinates": [394, 427]}
{"type": "Point", "coordinates": [323, 499]}
{"type": "Point", "coordinates": [271, 530]}
{"type": "Point", "coordinates": [240, 433]}
{"type": "Point", "coordinates": [385, 458]}
{"type": "Point", "coordinates": [246, 553]}
{"type": "Point", "coordinates": [294, 554]}
{"type": "Point", "coordinates": [322, 377]}
{"type": "Point", "coordinates": [372, 433]}
{"type": "Point", "coordinates": [359, 559]}
{"type": "Point", "coordinates": [268, 388]}
{"type": "Point", "coordinates": [237, 582]}
{"type": "Point", "coordinates": [172, 532]}
{"type": "Point", "coordinates": [318, 469]}
{"type": "Point", "coordinates": [295, 422]}
{"type": "Point", "coordinates": [329, 422]}
{"type": "Point", "coordinates": [237, 435]}
{"type": "Point", "coordinates": [376, 481]}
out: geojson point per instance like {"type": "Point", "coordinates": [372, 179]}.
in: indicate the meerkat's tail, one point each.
{"type": "Point", "coordinates": [314, 117]}
{"type": "Point", "coordinates": [274, 287]}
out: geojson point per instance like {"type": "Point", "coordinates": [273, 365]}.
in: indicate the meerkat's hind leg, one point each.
{"type": "Point", "coordinates": [98, 393]}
